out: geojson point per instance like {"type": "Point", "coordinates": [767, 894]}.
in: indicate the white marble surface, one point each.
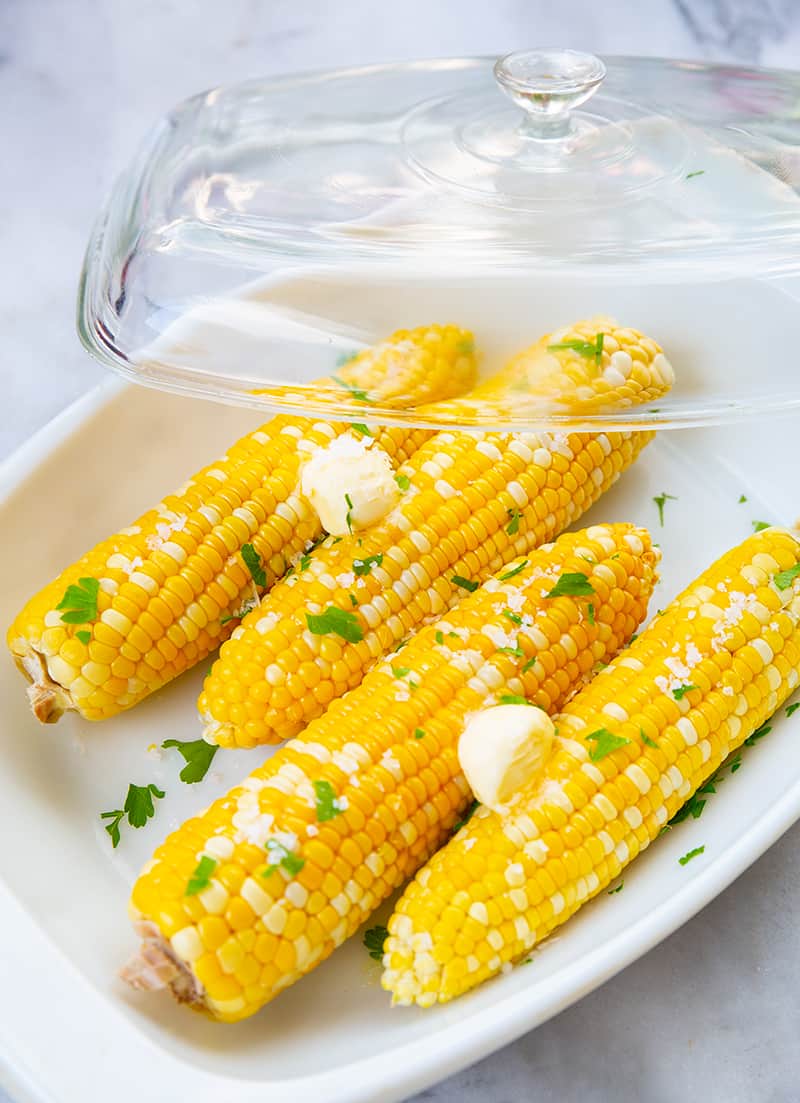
{"type": "Point", "coordinates": [711, 1014]}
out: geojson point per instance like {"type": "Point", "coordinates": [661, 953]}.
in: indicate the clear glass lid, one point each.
{"type": "Point", "coordinates": [548, 240]}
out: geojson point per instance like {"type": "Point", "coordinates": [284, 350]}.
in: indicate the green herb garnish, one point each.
{"type": "Point", "coordinates": [419, 733]}
{"type": "Point", "coordinates": [359, 427]}
{"type": "Point", "coordinates": [465, 583]}
{"type": "Point", "coordinates": [646, 739]}
{"type": "Point", "coordinates": [201, 878]}
{"type": "Point", "coordinates": [349, 515]}
{"type": "Point", "coordinates": [252, 560]}
{"type": "Point", "coordinates": [513, 617]}
{"type": "Point", "coordinates": [80, 602]}
{"type": "Point", "coordinates": [327, 804]}
{"type": "Point", "coordinates": [784, 579]}
{"type": "Point", "coordinates": [691, 854]}
{"type": "Point", "coordinates": [604, 743]}
{"type": "Point", "coordinates": [512, 528]}
{"type": "Point", "coordinates": [680, 691]}
{"type": "Point", "coordinates": [403, 481]}
{"type": "Point", "coordinates": [362, 567]}
{"type": "Point", "coordinates": [470, 812]}
{"type": "Point", "coordinates": [439, 637]}
{"type": "Point", "coordinates": [759, 733]}
{"type": "Point", "coordinates": [517, 652]}
{"type": "Point", "coordinates": [759, 526]}
{"type": "Point", "coordinates": [590, 612]}
{"type": "Point", "coordinates": [592, 350]}
{"type": "Point", "coordinates": [357, 393]}
{"type": "Point", "coordinates": [305, 563]}
{"type": "Point", "coordinates": [84, 637]}
{"type": "Point", "coordinates": [512, 699]}
{"type": "Point", "coordinates": [336, 622]}
{"type": "Point", "coordinates": [291, 863]}
{"type": "Point", "coordinates": [698, 172]}
{"type": "Point", "coordinates": [613, 892]}
{"type": "Point", "coordinates": [401, 671]}
{"type": "Point", "coordinates": [529, 664]}
{"type": "Point", "coordinates": [742, 498]}
{"type": "Point", "coordinates": [575, 584]}
{"type": "Point", "coordinates": [792, 708]}
{"type": "Point", "coordinates": [374, 938]}
{"type": "Point", "coordinates": [198, 756]}
{"type": "Point", "coordinates": [138, 808]}
{"type": "Point", "coordinates": [661, 500]}
{"type": "Point", "coordinates": [515, 570]}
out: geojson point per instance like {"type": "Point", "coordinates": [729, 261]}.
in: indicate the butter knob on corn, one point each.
{"type": "Point", "coordinates": [350, 484]}
{"type": "Point", "coordinates": [502, 749]}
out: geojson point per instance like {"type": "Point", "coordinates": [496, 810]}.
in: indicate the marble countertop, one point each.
{"type": "Point", "coordinates": [711, 1013]}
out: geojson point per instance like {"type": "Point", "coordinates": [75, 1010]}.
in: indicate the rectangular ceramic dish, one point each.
{"type": "Point", "coordinates": [70, 1030]}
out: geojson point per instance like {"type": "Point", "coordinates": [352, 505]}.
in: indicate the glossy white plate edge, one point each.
{"type": "Point", "coordinates": [62, 1040]}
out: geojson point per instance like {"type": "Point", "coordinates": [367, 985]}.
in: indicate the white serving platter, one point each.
{"type": "Point", "coordinates": [70, 1030]}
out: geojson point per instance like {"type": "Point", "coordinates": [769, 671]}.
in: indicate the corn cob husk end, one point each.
{"type": "Point", "coordinates": [49, 701]}
{"type": "Point", "coordinates": [156, 966]}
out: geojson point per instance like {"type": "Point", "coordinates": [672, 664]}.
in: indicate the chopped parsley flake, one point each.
{"type": "Point", "coordinates": [784, 579]}
{"type": "Point", "coordinates": [80, 602]}
{"type": "Point", "coordinates": [590, 613]}
{"type": "Point", "coordinates": [661, 500]}
{"type": "Point", "coordinates": [698, 172]}
{"type": "Point", "coordinates": [612, 892]}
{"type": "Point", "coordinates": [198, 756]}
{"type": "Point", "coordinates": [353, 600]}
{"type": "Point", "coordinates": [403, 481]}
{"type": "Point", "coordinates": [357, 393]}
{"type": "Point", "coordinates": [465, 583]}
{"type": "Point", "coordinates": [470, 812]}
{"type": "Point", "coordinates": [278, 855]}
{"type": "Point", "coordinates": [364, 430]}
{"type": "Point", "coordinates": [328, 806]}
{"type": "Point", "coordinates": [349, 515]}
{"type": "Point", "coordinates": [735, 763]}
{"type": "Point", "coordinates": [759, 526]}
{"type": "Point", "coordinates": [336, 622]}
{"type": "Point", "coordinates": [742, 498]}
{"type": "Point", "coordinates": [305, 563]}
{"type": "Point", "coordinates": [138, 808]}
{"type": "Point", "coordinates": [604, 743]}
{"type": "Point", "coordinates": [515, 618]}
{"type": "Point", "coordinates": [362, 567]}
{"type": "Point", "coordinates": [590, 349]}
{"type": "Point", "coordinates": [792, 708]}
{"type": "Point", "coordinates": [401, 671]}
{"type": "Point", "coordinates": [515, 570]}
{"type": "Point", "coordinates": [646, 739]}
{"type": "Point", "coordinates": [374, 939]}
{"type": "Point", "coordinates": [759, 733]}
{"type": "Point", "coordinates": [252, 560]}
{"type": "Point", "coordinates": [529, 665]}
{"type": "Point", "coordinates": [680, 691]}
{"type": "Point", "coordinates": [201, 878]}
{"type": "Point", "coordinates": [439, 637]}
{"type": "Point", "coordinates": [574, 584]}
{"type": "Point", "coordinates": [84, 637]}
{"type": "Point", "coordinates": [517, 652]}
{"type": "Point", "coordinates": [512, 528]}
{"type": "Point", "coordinates": [691, 854]}
{"type": "Point", "coordinates": [512, 699]}
{"type": "Point", "coordinates": [419, 733]}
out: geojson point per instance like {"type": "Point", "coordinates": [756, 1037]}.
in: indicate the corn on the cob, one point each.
{"type": "Point", "coordinates": [343, 814]}
{"type": "Point", "coordinates": [631, 749]}
{"type": "Point", "coordinates": [592, 367]}
{"type": "Point", "coordinates": [418, 366]}
{"type": "Point", "coordinates": [146, 604]}
{"type": "Point", "coordinates": [471, 503]}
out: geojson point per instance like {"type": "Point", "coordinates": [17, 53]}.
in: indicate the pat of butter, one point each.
{"type": "Point", "coordinates": [502, 749]}
{"type": "Point", "coordinates": [350, 484]}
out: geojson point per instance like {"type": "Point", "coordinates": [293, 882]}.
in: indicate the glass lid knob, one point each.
{"type": "Point", "coordinates": [548, 85]}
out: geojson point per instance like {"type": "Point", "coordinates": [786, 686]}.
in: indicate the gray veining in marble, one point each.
{"type": "Point", "coordinates": [712, 1013]}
